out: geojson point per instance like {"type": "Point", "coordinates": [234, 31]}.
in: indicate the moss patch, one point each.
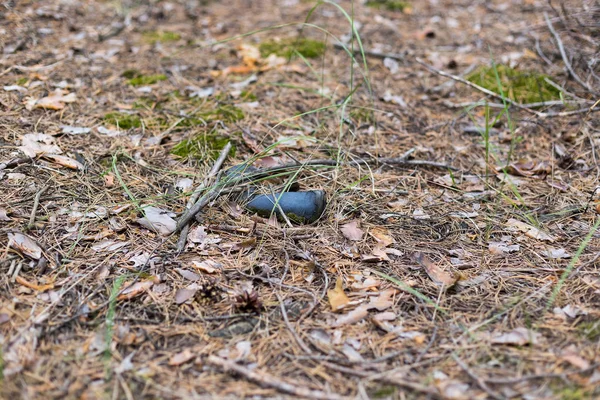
{"type": "Point", "coordinates": [521, 86]}
{"type": "Point", "coordinates": [122, 120]}
{"type": "Point", "coordinates": [590, 329]}
{"type": "Point", "coordinates": [143, 80]}
{"type": "Point", "coordinates": [160, 36]}
{"type": "Point", "coordinates": [223, 112]}
{"type": "Point", "coordinates": [202, 146]}
{"type": "Point", "coordinates": [309, 48]}
{"type": "Point", "coordinates": [390, 5]}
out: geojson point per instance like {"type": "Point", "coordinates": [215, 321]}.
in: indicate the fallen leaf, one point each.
{"type": "Point", "coordinates": [4, 214]}
{"type": "Point", "coordinates": [183, 295]}
{"type": "Point", "coordinates": [136, 289]}
{"type": "Point", "coordinates": [65, 161]}
{"type": "Point", "coordinates": [529, 230]}
{"type": "Point", "coordinates": [181, 357]}
{"type": "Point", "coordinates": [208, 266]}
{"type": "Point", "coordinates": [33, 144]}
{"type": "Point", "coordinates": [383, 301]}
{"type": "Point", "coordinates": [500, 248]}
{"type": "Point", "coordinates": [158, 220]}
{"type": "Point", "coordinates": [197, 234]}
{"type": "Point", "coordinates": [382, 236]}
{"type": "Point", "coordinates": [351, 231]}
{"type": "Point", "coordinates": [55, 101]}
{"type": "Point", "coordinates": [527, 168]}
{"type": "Point", "coordinates": [517, 337]}
{"type": "Point", "coordinates": [74, 130]}
{"type": "Point", "coordinates": [337, 297]}
{"type": "Point", "coordinates": [356, 315]}
{"type": "Point", "coordinates": [189, 275]}
{"type": "Point", "coordinates": [25, 245]}
{"type": "Point", "coordinates": [556, 253]}
{"type": "Point", "coordinates": [437, 274]}
{"type": "Point", "coordinates": [108, 245]}
{"type": "Point", "coordinates": [34, 286]}
{"type": "Point", "coordinates": [571, 355]}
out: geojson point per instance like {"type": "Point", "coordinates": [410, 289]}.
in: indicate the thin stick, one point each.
{"type": "Point", "coordinates": [194, 197]}
{"type": "Point", "coordinates": [271, 381]}
{"type": "Point", "coordinates": [297, 338]}
{"type": "Point", "coordinates": [36, 204]}
{"type": "Point", "coordinates": [480, 382]}
{"type": "Point", "coordinates": [564, 56]}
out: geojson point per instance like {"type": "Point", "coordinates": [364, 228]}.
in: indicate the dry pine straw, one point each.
{"type": "Point", "coordinates": [55, 319]}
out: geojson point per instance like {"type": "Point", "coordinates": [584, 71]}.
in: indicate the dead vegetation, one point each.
{"type": "Point", "coordinates": [457, 254]}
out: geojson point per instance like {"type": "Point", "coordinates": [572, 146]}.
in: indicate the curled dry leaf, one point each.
{"type": "Point", "coordinates": [528, 168]}
{"type": "Point", "coordinates": [337, 297]}
{"type": "Point", "coordinates": [207, 266]}
{"type": "Point", "coordinates": [181, 357]}
{"type": "Point", "coordinates": [135, 289]}
{"type": "Point", "coordinates": [351, 231]}
{"type": "Point", "coordinates": [437, 274]}
{"type": "Point", "coordinates": [189, 275]}
{"type": "Point", "coordinates": [516, 337]}
{"type": "Point", "coordinates": [33, 144]}
{"type": "Point", "coordinates": [382, 236]}
{"type": "Point", "coordinates": [158, 220]}
{"type": "Point", "coordinates": [571, 355]}
{"type": "Point", "coordinates": [55, 101]}
{"type": "Point", "coordinates": [25, 245]}
{"type": "Point", "coordinates": [65, 161]}
{"type": "Point", "coordinates": [185, 294]}
{"type": "Point", "coordinates": [34, 286]}
{"type": "Point", "coordinates": [529, 230]}
{"type": "Point", "coordinates": [4, 215]}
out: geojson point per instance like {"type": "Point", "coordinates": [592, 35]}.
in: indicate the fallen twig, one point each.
{"type": "Point", "coordinates": [271, 381]}
{"type": "Point", "coordinates": [196, 194]}
{"type": "Point", "coordinates": [565, 58]}
{"type": "Point", "coordinates": [36, 204]}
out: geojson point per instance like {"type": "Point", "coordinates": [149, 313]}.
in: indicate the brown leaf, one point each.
{"type": "Point", "coordinates": [571, 355]}
{"type": "Point", "coordinates": [207, 266]}
{"type": "Point", "coordinates": [438, 275]}
{"type": "Point", "coordinates": [55, 101]}
{"type": "Point", "coordinates": [34, 286]}
{"type": "Point", "coordinates": [189, 275]}
{"type": "Point", "coordinates": [65, 161]}
{"type": "Point", "coordinates": [183, 295]}
{"type": "Point", "coordinates": [351, 231]}
{"type": "Point", "coordinates": [25, 245]}
{"type": "Point", "coordinates": [337, 297]}
{"type": "Point", "coordinates": [382, 236]}
{"type": "Point", "coordinates": [529, 230]}
{"type": "Point", "coordinates": [516, 337]}
{"type": "Point", "coordinates": [182, 357]}
{"type": "Point", "coordinates": [134, 290]}
{"type": "Point", "coordinates": [358, 314]}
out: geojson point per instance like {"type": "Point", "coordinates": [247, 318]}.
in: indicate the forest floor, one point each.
{"type": "Point", "coordinates": [457, 255]}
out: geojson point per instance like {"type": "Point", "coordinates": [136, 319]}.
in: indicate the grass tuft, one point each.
{"type": "Point", "coordinates": [307, 48]}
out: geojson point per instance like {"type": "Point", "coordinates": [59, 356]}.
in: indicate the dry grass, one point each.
{"type": "Point", "coordinates": [66, 326]}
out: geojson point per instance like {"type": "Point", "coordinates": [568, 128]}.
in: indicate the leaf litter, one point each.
{"type": "Point", "coordinates": [95, 290]}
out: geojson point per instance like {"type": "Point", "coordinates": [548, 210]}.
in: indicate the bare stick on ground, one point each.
{"type": "Point", "coordinates": [184, 228]}
{"type": "Point", "coordinates": [267, 380]}
{"type": "Point", "coordinates": [565, 57]}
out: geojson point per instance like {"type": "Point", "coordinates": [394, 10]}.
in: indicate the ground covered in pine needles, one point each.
{"type": "Point", "coordinates": [456, 143]}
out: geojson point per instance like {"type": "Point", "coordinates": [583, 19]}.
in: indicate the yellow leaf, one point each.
{"type": "Point", "coordinates": [337, 297]}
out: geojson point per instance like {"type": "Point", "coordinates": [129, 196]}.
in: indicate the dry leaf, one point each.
{"type": "Point", "coordinates": [382, 236]}
{"type": "Point", "coordinates": [158, 220]}
{"type": "Point", "coordinates": [571, 355]}
{"type": "Point", "coordinates": [383, 301]}
{"type": "Point", "coordinates": [351, 231]}
{"type": "Point", "coordinates": [34, 286]}
{"type": "Point", "coordinates": [556, 253]}
{"type": "Point", "coordinates": [356, 315]}
{"type": "Point", "coordinates": [55, 101]}
{"type": "Point", "coordinates": [208, 266]}
{"type": "Point", "coordinates": [136, 289]}
{"type": "Point", "coordinates": [438, 275]}
{"type": "Point", "coordinates": [500, 248]}
{"type": "Point", "coordinates": [529, 230]}
{"type": "Point", "coordinates": [4, 214]}
{"type": "Point", "coordinates": [337, 297]}
{"type": "Point", "coordinates": [65, 161]}
{"type": "Point", "coordinates": [33, 144]}
{"type": "Point", "coordinates": [517, 337]}
{"type": "Point", "coordinates": [25, 245]}
{"type": "Point", "coordinates": [181, 358]}
{"type": "Point", "coordinates": [189, 275]}
{"type": "Point", "coordinates": [183, 295]}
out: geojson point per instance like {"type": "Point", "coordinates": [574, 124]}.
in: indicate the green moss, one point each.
{"type": "Point", "coordinates": [131, 73]}
{"type": "Point", "coordinates": [308, 48]}
{"type": "Point", "coordinates": [122, 120]}
{"type": "Point", "coordinates": [224, 112]}
{"type": "Point", "coordinates": [572, 393]}
{"type": "Point", "coordinates": [22, 81]}
{"type": "Point", "coordinates": [384, 392]}
{"type": "Point", "coordinates": [248, 96]}
{"type": "Point", "coordinates": [143, 80]}
{"type": "Point", "coordinates": [362, 116]}
{"type": "Point", "coordinates": [390, 5]}
{"type": "Point", "coordinates": [521, 86]}
{"type": "Point", "coordinates": [202, 146]}
{"type": "Point", "coordinates": [161, 36]}
{"type": "Point", "coordinates": [590, 329]}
